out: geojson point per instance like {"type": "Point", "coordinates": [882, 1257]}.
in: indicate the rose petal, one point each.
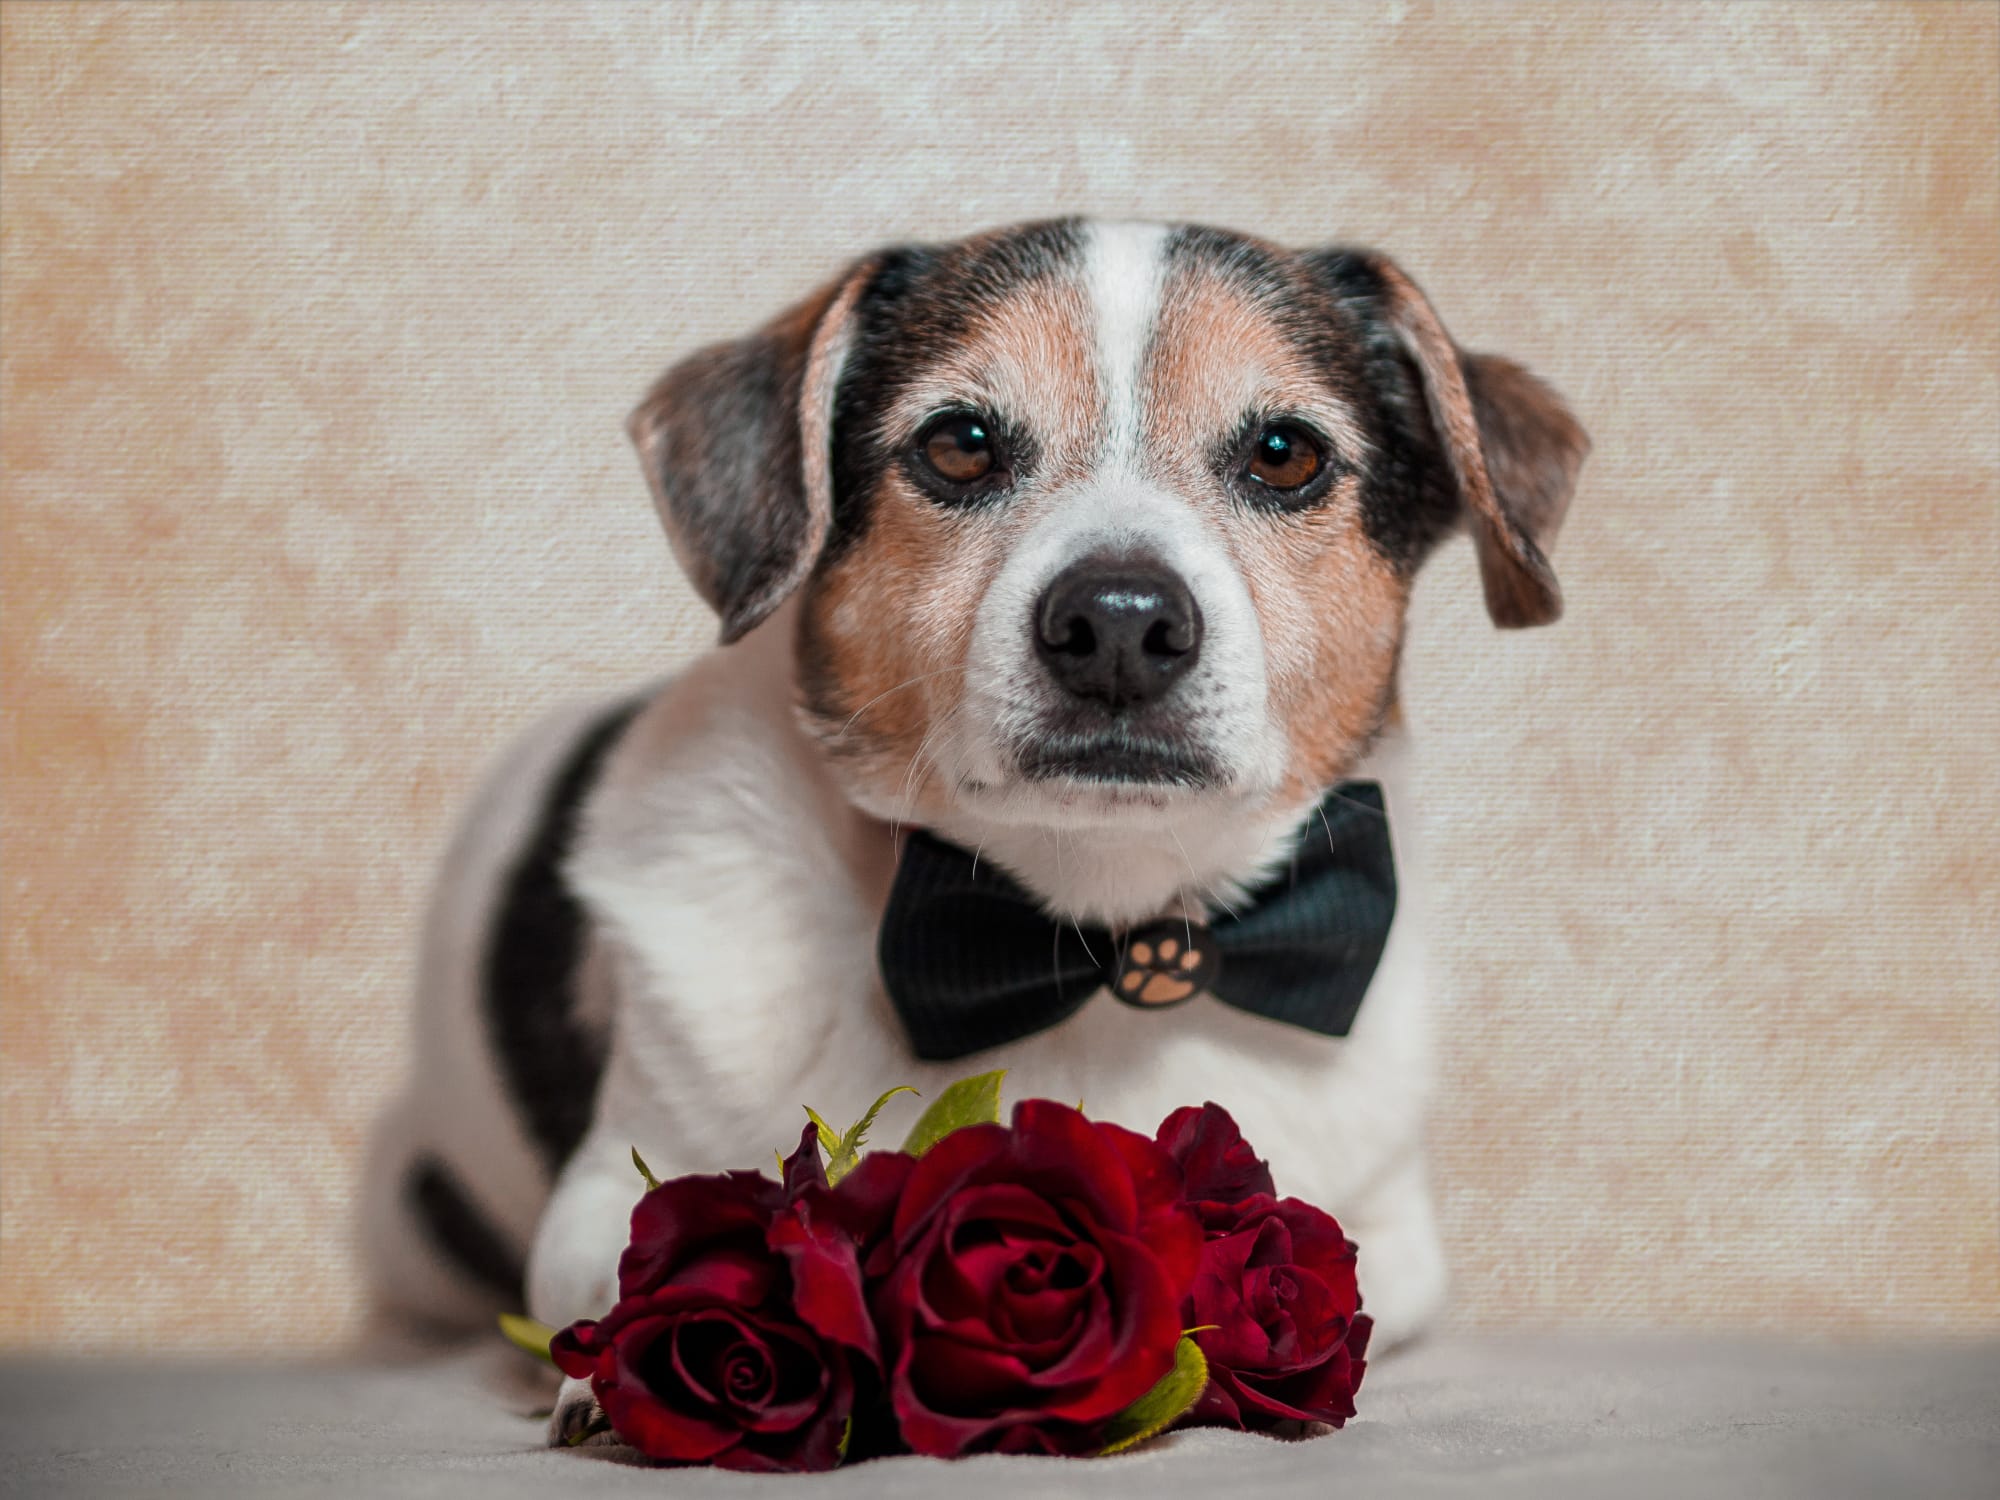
{"type": "Point", "coordinates": [1217, 1164]}
{"type": "Point", "coordinates": [865, 1199]}
{"type": "Point", "coordinates": [1318, 1243]}
{"type": "Point", "coordinates": [803, 1168]}
{"type": "Point", "coordinates": [961, 1379]}
{"type": "Point", "coordinates": [826, 1272]}
{"type": "Point", "coordinates": [803, 1375]}
{"type": "Point", "coordinates": [940, 1172]}
{"type": "Point", "coordinates": [1231, 1338]}
{"type": "Point", "coordinates": [1130, 1349]}
{"type": "Point", "coordinates": [648, 1416]}
{"type": "Point", "coordinates": [689, 1213]}
{"type": "Point", "coordinates": [741, 1277]}
{"type": "Point", "coordinates": [576, 1348]}
{"type": "Point", "coordinates": [1068, 1156]}
{"type": "Point", "coordinates": [1041, 1324]}
{"type": "Point", "coordinates": [697, 1345]}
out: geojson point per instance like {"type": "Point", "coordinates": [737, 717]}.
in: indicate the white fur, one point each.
{"type": "Point", "coordinates": [1122, 271]}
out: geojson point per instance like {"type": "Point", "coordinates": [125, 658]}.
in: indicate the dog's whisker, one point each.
{"type": "Point", "coordinates": [1078, 926]}
{"type": "Point", "coordinates": [1216, 897]}
{"type": "Point", "coordinates": [1174, 833]}
{"type": "Point", "coordinates": [944, 737]}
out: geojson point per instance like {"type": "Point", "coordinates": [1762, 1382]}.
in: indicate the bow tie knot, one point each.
{"type": "Point", "coordinates": [970, 961]}
{"type": "Point", "coordinates": [1164, 963]}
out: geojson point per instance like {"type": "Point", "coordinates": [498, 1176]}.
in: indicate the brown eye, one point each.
{"type": "Point", "coordinates": [959, 449]}
{"type": "Point", "coordinates": [1284, 458]}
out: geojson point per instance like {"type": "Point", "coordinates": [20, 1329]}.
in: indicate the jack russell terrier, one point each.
{"type": "Point", "coordinates": [1062, 576]}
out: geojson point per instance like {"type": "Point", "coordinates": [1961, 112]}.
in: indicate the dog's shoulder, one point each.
{"type": "Point", "coordinates": [715, 822]}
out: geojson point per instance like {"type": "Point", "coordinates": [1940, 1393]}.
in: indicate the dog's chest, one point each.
{"type": "Point", "coordinates": [735, 1008]}
{"type": "Point", "coordinates": [741, 899]}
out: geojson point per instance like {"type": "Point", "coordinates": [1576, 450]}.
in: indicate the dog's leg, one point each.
{"type": "Point", "coordinates": [1401, 1260]}
{"type": "Point", "coordinates": [573, 1267]}
{"type": "Point", "coordinates": [577, 1418]}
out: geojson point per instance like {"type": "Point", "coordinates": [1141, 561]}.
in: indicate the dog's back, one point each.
{"type": "Point", "coordinates": [510, 1031]}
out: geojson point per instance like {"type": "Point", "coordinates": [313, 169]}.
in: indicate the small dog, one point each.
{"type": "Point", "coordinates": [1062, 576]}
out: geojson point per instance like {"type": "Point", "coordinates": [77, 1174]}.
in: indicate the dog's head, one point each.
{"type": "Point", "coordinates": [1091, 521]}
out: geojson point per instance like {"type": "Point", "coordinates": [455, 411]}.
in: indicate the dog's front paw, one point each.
{"type": "Point", "coordinates": [577, 1419]}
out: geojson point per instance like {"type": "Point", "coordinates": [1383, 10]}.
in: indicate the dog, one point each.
{"type": "Point", "coordinates": [1079, 552]}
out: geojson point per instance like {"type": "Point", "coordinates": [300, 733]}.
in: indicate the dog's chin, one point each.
{"type": "Point", "coordinates": [1118, 762]}
{"type": "Point", "coordinates": [1073, 779]}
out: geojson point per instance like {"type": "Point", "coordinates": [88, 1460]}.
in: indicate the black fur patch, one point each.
{"type": "Point", "coordinates": [1410, 502]}
{"type": "Point", "coordinates": [549, 1062]}
{"type": "Point", "coordinates": [458, 1228]}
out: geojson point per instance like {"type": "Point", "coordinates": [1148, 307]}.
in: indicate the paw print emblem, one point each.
{"type": "Point", "coordinates": [1165, 963]}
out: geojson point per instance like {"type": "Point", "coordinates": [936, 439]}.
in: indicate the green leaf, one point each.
{"type": "Point", "coordinates": [848, 1152]}
{"type": "Point", "coordinates": [846, 1437]}
{"type": "Point", "coordinates": [970, 1101]}
{"type": "Point", "coordinates": [644, 1170]}
{"type": "Point", "coordinates": [843, 1148]}
{"type": "Point", "coordinates": [829, 1138]}
{"type": "Point", "coordinates": [1162, 1406]}
{"type": "Point", "coordinates": [527, 1335]}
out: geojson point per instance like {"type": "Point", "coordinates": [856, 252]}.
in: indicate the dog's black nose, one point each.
{"type": "Point", "coordinates": [1118, 631]}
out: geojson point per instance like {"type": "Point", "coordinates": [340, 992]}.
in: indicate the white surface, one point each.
{"type": "Point", "coordinates": [1545, 1417]}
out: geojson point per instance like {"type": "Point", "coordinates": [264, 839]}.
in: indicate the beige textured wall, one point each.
{"type": "Point", "coordinates": [319, 326]}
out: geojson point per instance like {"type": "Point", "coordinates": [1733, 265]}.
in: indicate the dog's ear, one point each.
{"type": "Point", "coordinates": [735, 443]}
{"type": "Point", "coordinates": [1513, 447]}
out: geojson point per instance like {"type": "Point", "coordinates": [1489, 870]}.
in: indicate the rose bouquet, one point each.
{"type": "Point", "coordinates": [1052, 1285]}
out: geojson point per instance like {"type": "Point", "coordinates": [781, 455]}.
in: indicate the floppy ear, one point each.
{"type": "Point", "coordinates": [1513, 447]}
{"type": "Point", "coordinates": [734, 441]}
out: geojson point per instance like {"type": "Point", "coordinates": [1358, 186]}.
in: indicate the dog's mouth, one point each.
{"type": "Point", "coordinates": [1112, 760]}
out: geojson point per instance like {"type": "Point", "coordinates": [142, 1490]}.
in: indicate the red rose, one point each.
{"type": "Point", "coordinates": [740, 1327]}
{"type": "Point", "coordinates": [1276, 1280]}
{"type": "Point", "coordinates": [1030, 1282]}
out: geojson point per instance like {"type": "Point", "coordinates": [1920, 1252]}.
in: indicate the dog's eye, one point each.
{"type": "Point", "coordinates": [1283, 457]}
{"type": "Point", "coordinates": [958, 448]}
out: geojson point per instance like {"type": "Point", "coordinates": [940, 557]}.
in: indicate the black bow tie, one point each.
{"type": "Point", "coordinates": [971, 961]}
